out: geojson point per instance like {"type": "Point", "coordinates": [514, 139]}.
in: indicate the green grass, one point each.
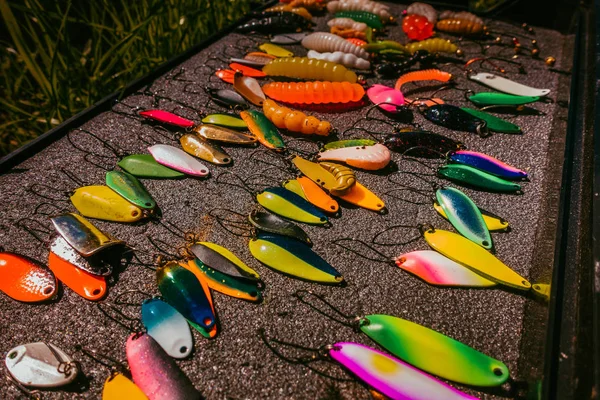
{"type": "Point", "coordinates": [59, 57]}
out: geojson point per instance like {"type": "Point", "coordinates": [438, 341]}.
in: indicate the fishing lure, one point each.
{"type": "Point", "coordinates": [470, 176]}
{"type": "Point", "coordinates": [314, 92]}
{"type": "Point", "coordinates": [82, 235]}
{"type": "Point", "coordinates": [336, 179]}
{"type": "Point", "coordinates": [167, 327]}
{"type": "Point", "coordinates": [154, 372]}
{"type": "Point", "coordinates": [295, 121]}
{"type": "Point", "coordinates": [289, 38]}
{"type": "Point", "coordinates": [188, 295]}
{"type": "Point", "coordinates": [178, 159]}
{"type": "Point", "coordinates": [131, 189]}
{"type": "Point", "coordinates": [303, 12]}
{"type": "Point", "coordinates": [421, 143]}
{"type": "Point", "coordinates": [24, 279]}
{"type": "Point", "coordinates": [118, 386]}
{"type": "Point", "coordinates": [89, 286]}
{"type": "Point", "coordinates": [41, 365]}
{"type": "Point", "coordinates": [281, 22]}
{"type": "Point", "coordinates": [92, 264]}
{"type": "Point", "coordinates": [289, 205]}
{"type": "Point", "coordinates": [222, 260]}
{"type": "Point", "coordinates": [348, 33]}
{"type": "Point", "coordinates": [493, 123]}
{"type": "Point", "coordinates": [246, 70]}
{"type": "Point", "coordinates": [356, 42]}
{"type": "Point", "coordinates": [386, 98]}
{"type": "Point", "coordinates": [437, 354]}
{"type": "Point", "coordinates": [226, 75]}
{"type": "Point", "coordinates": [249, 88]}
{"type": "Point", "coordinates": [324, 42]}
{"type": "Point", "coordinates": [347, 23]}
{"type": "Point", "coordinates": [339, 144]}
{"type": "Point", "coordinates": [101, 202]}
{"type": "Point", "coordinates": [145, 166]}
{"type": "Point", "coordinates": [460, 27]}
{"type": "Point", "coordinates": [307, 68]}
{"type": "Point", "coordinates": [346, 59]}
{"type": "Point", "coordinates": [168, 118]}
{"type": "Point", "coordinates": [474, 257]}
{"type": "Point", "coordinates": [274, 50]}
{"type": "Point", "coordinates": [464, 15]}
{"type": "Point", "coordinates": [272, 223]}
{"type": "Point", "coordinates": [226, 284]}
{"type": "Point", "coordinates": [204, 150]}
{"type": "Point", "coordinates": [464, 215]}
{"type": "Point", "coordinates": [227, 98]}
{"type": "Point", "coordinates": [500, 99]}
{"type": "Point", "coordinates": [435, 45]}
{"type": "Point", "coordinates": [370, 158]}
{"type": "Point", "coordinates": [380, 45]}
{"type": "Point", "coordinates": [292, 258]}
{"type": "Point", "coordinates": [439, 270]}
{"type": "Point", "coordinates": [423, 9]}
{"type": "Point", "coordinates": [254, 59]}
{"type": "Point", "coordinates": [263, 129]}
{"type": "Point", "coordinates": [226, 121]}
{"type": "Point", "coordinates": [492, 221]}
{"type": "Point", "coordinates": [426, 75]}
{"type": "Point", "coordinates": [372, 20]}
{"type": "Point", "coordinates": [453, 117]}
{"type": "Point", "coordinates": [373, 7]}
{"type": "Point", "coordinates": [312, 193]}
{"type": "Point", "coordinates": [224, 135]}
{"type": "Point", "coordinates": [417, 27]}
{"type": "Point", "coordinates": [487, 164]}
{"type": "Point", "coordinates": [316, 5]}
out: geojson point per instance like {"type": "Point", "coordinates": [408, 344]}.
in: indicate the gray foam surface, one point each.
{"type": "Point", "coordinates": [236, 364]}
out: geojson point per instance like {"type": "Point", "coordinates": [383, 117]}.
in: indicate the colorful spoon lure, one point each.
{"type": "Point", "coordinates": [155, 373]}
{"type": "Point", "coordinates": [492, 221]}
{"type": "Point", "coordinates": [117, 386]}
{"type": "Point", "coordinates": [290, 205]}
{"type": "Point", "coordinates": [168, 327]}
{"type": "Point", "coordinates": [292, 257]}
{"type": "Point", "coordinates": [476, 178]}
{"type": "Point", "coordinates": [24, 279]}
{"type": "Point", "coordinates": [184, 292]}
{"type": "Point", "coordinates": [487, 164]}
{"type": "Point", "coordinates": [312, 193]}
{"type": "Point", "coordinates": [508, 86]}
{"type": "Point", "coordinates": [178, 159]}
{"type": "Point", "coordinates": [145, 166]}
{"type": "Point", "coordinates": [131, 189]}
{"type": "Point", "coordinates": [371, 158]}
{"type": "Point", "coordinates": [263, 129]}
{"type": "Point", "coordinates": [439, 270]}
{"type": "Point", "coordinates": [222, 260]}
{"type": "Point", "coordinates": [235, 287]}
{"type": "Point", "coordinates": [101, 202]}
{"type": "Point", "coordinates": [464, 215]}
{"type": "Point", "coordinates": [474, 257]}
{"type": "Point", "coordinates": [271, 223]}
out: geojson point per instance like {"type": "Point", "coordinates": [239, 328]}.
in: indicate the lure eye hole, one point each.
{"type": "Point", "coordinates": [536, 287]}
{"type": "Point", "coordinates": [12, 355]}
{"type": "Point", "coordinates": [253, 293]}
{"type": "Point", "coordinates": [203, 171]}
{"type": "Point", "coordinates": [147, 204]}
{"type": "Point", "coordinates": [401, 260]}
{"type": "Point", "coordinates": [183, 349]}
{"type": "Point", "coordinates": [332, 207]}
{"type": "Point", "coordinates": [96, 292]}
{"type": "Point", "coordinates": [485, 243]}
{"type": "Point", "coordinates": [207, 321]}
{"type": "Point", "coordinates": [226, 160]}
{"type": "Point", "coordinates": [524, 282]}
{"type": "Point", "coordinates": [48, 290]}
{"type": "Point", "coordinates": [134, 213]}
{"type": "Point", "coordinates": [323, 219]}
{"type": "Point", "coordinates": [498, 371]}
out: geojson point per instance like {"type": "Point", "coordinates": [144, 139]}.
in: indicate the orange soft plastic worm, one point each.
{"type": "Point", "coordinates": [347, 33]}
{"type": "Point", "coordinates": [357, 42]}
{"type": "Point", "coordinates": [316, 5]}
{"type": "Point", "coordinates": [294, 121]}
{"type": "Point", "coordinates": [425, 75]}
{"type": "Point", "coordinates": [314, 92]}
{"type": "Point", "coordinates": [460, 26]}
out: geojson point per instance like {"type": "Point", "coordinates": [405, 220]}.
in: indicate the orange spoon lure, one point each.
{"type": "Point", "coordinates": [25, 280]}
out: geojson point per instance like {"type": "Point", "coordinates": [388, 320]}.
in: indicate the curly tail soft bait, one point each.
{"type": "Point", "coordinates": [424, 75]}
{"type": "Point", "coordinates": [347, 59]}
{"type": "Point", "coordinates": [307, 68]}
{"type": "Point", "coordinates": [294, 121]}
{"type": "Point", "coordinates": [314, 92]}
{"type": "Point", "coordinates": [324, 42]}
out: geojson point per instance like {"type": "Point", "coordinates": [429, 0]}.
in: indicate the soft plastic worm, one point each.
{"type": "Point", "coordinates": [360, 5]}
{"type": "Point", "coordinates": [461, 15]}
{"type": "Point", "coordinates": [314, 92]}
{"type": "Point", "coordinates": [436, 45]}
{"type": "Point", "coordinates": [348, 33]}
{"type": "Point", "coordinates": [288, 8]}
{"type": "Point", "coordinates": [324, 42]}
{"type": "Point", "coordinates": [309, 68]}
{"type": "Point", "coordinates": [423, 9]}
{"type": "Point", "coordinates": [348, 23]}
{"type": "Point", "coordinates": [316, 5]}
{"type": "Point", "coordinates": [425, 75]}
{"type": "Point", "coordinates": [347, 59]}
{"type": "Point", "coordinates": [294, 121]}
{"type": "Point", "coordinates": [460, 27]}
